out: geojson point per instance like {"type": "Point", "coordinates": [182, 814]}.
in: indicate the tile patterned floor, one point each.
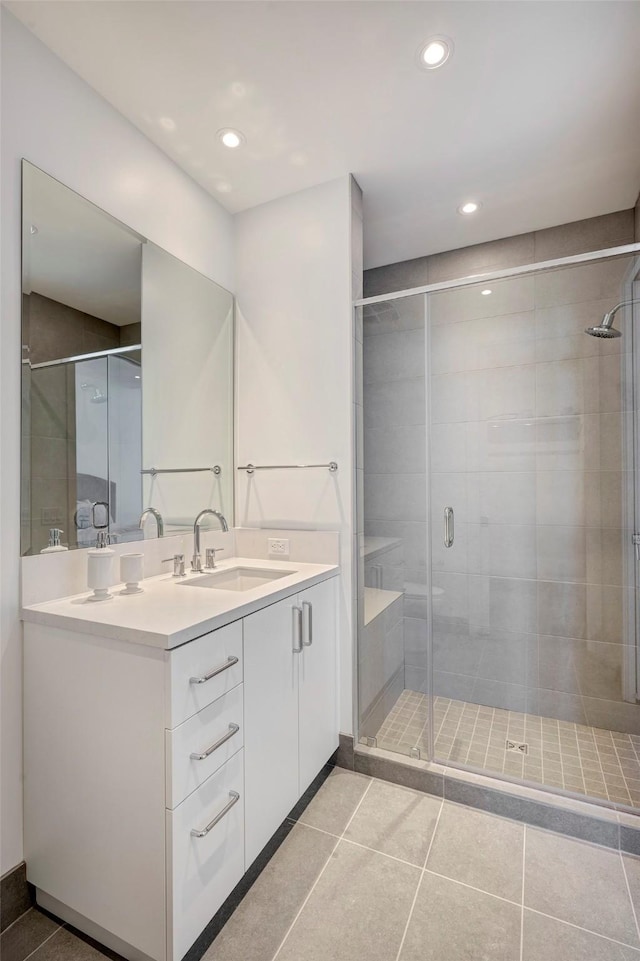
{"type": "Point", "coordinates": [377, 872]}
{"type": "Point", "coordinates": [373, 871]}
{"type": "Point", "coordinates": [584, 760]}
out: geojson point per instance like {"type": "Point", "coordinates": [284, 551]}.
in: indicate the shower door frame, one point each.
{"type": "Point", "coordinates": [467, 281]}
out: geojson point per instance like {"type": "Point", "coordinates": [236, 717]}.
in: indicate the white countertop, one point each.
{"type": "Point", "coordinates": [166, 613]}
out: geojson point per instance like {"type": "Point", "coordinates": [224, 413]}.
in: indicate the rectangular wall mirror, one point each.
{"type": "Point", "coordinates": [127, 379]}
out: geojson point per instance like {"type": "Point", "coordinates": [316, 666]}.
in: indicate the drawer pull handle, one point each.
{"type": "Point", "coordinates": [234, 797]}
{"type": "Point", "coordinates": [217, 670]}
{"type": "Point", "coordinates": [307, 612]}
{"type": "Point", "coordinates": [233, 729]}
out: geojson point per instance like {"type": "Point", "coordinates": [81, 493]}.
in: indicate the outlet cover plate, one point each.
{"type": "Point", "coordinates": [278, 546]}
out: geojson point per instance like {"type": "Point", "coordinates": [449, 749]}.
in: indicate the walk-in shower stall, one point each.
{"type": "Point", "coordinates": [498, 615]}
{"type": "Point", "coordinates": [82, 447]}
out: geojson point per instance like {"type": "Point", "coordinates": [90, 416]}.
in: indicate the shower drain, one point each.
{"type": "Point", "coordinates": [519, 747]}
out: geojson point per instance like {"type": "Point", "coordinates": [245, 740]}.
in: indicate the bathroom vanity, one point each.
{"type": "Point", "coordinates": [167, 736]}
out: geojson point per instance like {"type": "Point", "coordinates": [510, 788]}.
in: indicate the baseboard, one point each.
{"type": "Point", "coordinates": [16, 895]}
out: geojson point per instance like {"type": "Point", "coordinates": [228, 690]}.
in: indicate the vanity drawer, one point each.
{"type": "Point", "coordinates": [203, 670]}
{"type": "Point", "coordinates": [214, 734]}
{"type": "Point", "coordinates": [202, 871]}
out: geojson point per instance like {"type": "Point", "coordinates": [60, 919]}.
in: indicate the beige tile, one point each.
{"type": "Point", "coordinates": [395, 820]}
{"type": "Point", "coordinates": [261, 920]}
{"type": "Point", "coordinates": [546, 938]}
{"type": "Point", "coordinates": [479, 849]}
{"type": "Point", "coordinates": [579, 883]}
{"type": "Point", "coordinates": [451, 921]}
{"type": "Point", "coordinates": [359, 892]}
{"type": "Point", "coordinates": [336, 801]}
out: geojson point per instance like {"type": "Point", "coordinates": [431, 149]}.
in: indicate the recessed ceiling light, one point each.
{"type": "Point", "coordinates": [485, 293]}
{"type": "Point", "coordinates": [435, 52]}
{"type": "Point", "coordinates": [167, 123]}
{"type": "Point", "coordinates": [469, 208]}
{"type": "Point", "coordinates": [223, 187]}
{"type": "Point", "coordinates": [230, 138]}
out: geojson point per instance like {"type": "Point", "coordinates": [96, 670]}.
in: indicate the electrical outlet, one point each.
{"type": "Point", "coordinates": [279, 546]}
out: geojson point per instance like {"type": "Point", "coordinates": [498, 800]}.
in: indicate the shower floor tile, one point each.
{"type": "Point", "coordinates": [574, 757]}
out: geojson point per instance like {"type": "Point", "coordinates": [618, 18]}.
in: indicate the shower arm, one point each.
{"type": "Point", "coordinates": [608, 317]}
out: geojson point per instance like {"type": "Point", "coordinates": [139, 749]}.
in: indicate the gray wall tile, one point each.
{"type": "Point", "coordinates": [609, 230]}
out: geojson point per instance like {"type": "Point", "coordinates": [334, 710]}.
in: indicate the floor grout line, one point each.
{"type": "Point", "coordinates": [420, 879]}
{"type": "Point", "coordinates": [326, 864]}
{"type": "Point", "coordinates": [365, 847]}
{"type": "Point", "coordinates": [633, 907]}
{"type": "Point", "coordinates": [524, 861]}
{"type": "Point", "coordinates": [19, 918]}
{"type": "Point", "coordinates": [578, 927]}
{"type": "Point", "coordinates": [53, 933]}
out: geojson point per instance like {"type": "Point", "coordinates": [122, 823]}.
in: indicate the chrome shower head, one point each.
{"type": "Point", "coordinates": [603, 331]}
{"type": "Point", "coordinates": [606, 329]}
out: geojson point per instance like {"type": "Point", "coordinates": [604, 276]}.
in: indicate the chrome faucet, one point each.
{"type": "Point", "coordinates": [196, 561]}
{"type": "Point", "coordinates": [158, 517]}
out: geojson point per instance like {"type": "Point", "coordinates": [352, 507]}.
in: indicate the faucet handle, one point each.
{"type": "Point", "coordinates": [210, 556]}
{"type": "Point", "coordinates": [178, 564]}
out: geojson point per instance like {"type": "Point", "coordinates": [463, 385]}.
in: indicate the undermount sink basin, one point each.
{"type": "Point", "coordinates": [236, 579]}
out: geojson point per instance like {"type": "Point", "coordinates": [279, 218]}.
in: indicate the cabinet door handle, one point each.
{"type": "Point", "coordinates": [233, 729]}
{"type": "Point", "coordinates": [307, 624]}
{"type": "Point", "coordinates": [234, 797]}
{"type": "Point", "coordinates": [217, 670]}
{"type": "Point", "coordinates": [297, 630]}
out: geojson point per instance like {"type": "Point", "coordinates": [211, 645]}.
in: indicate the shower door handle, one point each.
{"type": "Point", "coordinates": [448, 527]}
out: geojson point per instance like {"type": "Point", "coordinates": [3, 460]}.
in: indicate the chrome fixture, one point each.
{"type": "Point", "coordinates": [234, 797]}
{"type": "Point", "coordinates": [158, 517]}
{"type": "Point", "coordinates": [97, 397]}
{"type": "Point", "coordinates": [181, 470]}
{"type": "Point", "coordinates": [230, 661]}
{"type": "Point", "coordinates": [201, 756]}
{"type": "Point", "coordinates": [448, 527]}
{"type": "Point", "coordinates": [102, 537]}
{"type": "Point", "coordinates": [178, 564]}
{"type": "Point", "coordinates": [196, 563]}
{"type": "Point", "coordinates": [250, 468]}
{"type": "Point", "coordinates": [210, 557]}
{"type": "Point", "coordinates": [605, 328]}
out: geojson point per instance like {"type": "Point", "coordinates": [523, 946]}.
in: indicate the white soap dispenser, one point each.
{"type": "Point", "coordinates": [54, 542]}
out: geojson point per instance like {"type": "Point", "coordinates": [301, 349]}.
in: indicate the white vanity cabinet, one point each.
{"type": "Point", "coordinates": [290, 689]}
{"type": "Point", "coordinates": [128, 750]}
{"type": "Point", "coordinates": [146, 768]}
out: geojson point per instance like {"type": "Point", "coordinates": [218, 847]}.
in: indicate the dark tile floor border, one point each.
{"type": "Point", "coordinates": [223, 914]}
{"type": "Point", "coordinates": [506, 804]}
{"type": "Point", "coordinates": [16, 895]}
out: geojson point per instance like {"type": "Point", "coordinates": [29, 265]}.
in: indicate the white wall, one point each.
{"type": "Point", "coordinates": [55, 120]}
{"type": "Point", "coordinates": [294, 384]}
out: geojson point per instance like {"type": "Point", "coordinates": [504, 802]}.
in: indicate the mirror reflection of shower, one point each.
{"type": "Point", "coordinates": [97, 395]}
{"type": "Point", "coordinates": [605, 328]}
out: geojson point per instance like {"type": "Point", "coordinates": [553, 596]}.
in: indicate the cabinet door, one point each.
{"type": "Point", "coordinates": [270, 722]}
{"type": "Point", "coordinates": [318, 681]}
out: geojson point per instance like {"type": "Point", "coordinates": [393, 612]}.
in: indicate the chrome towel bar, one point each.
{"type": "Point", "coordinates": [181, 470]}
{"type": "Point", "coordinates": [250, 468]}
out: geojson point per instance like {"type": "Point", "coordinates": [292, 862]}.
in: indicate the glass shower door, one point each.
{"type": "Point", "coordinates": [531, 522]}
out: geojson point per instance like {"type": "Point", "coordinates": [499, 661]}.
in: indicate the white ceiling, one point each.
{"type": "Point", "coordinates": [535, 114]}
{"type": "Point", "coordinates": [79, 255]}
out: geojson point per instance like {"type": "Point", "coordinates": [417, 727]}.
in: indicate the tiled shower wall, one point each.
{"type": "Point", "coordinates": [528, 427]}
